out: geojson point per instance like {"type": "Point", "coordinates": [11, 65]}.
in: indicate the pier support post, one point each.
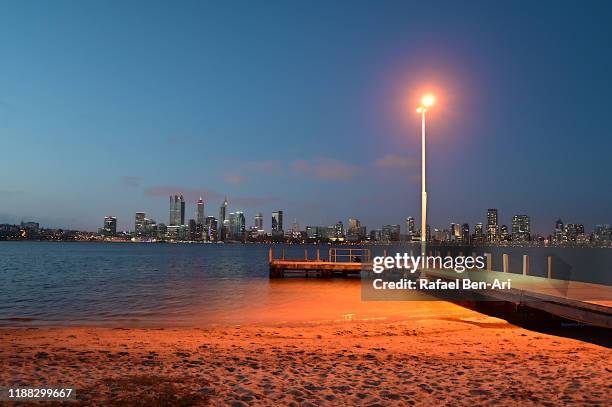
{"type": "Point", "coordinates": [305, 253]}
{"type": "Point", "coordinates": [283, 253]}
{"type": "Point", "coordinates": [318, 254]}
{"type": "Point", "coordinates": [549, 266]}
{"type": "Point", "coordinates": [270, 254]}
{"type": "Point", "coordinates": [525, 264]}
{"type": "Point", "coordinates": [505, 262]}
{"type": "Point", "coordinates": [489, 261]}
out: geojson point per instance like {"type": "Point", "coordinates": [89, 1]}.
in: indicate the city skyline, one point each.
{"type": "Point", "coordinates": [311, 114]}
{"type": "Point", "coordinates": [491, 230]}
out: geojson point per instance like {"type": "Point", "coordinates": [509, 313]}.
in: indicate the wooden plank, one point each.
{"type": "Point", "coordinates": [583, 302]}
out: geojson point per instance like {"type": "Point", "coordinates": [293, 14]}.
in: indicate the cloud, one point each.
{"type": "Point", "coordinates": [234, 179]}
{"type": "Point", "coordinates": [325, 168]}
{"type": "Point", "coordinates": [392, 161]}
{"type": "Point", "coordinates": [192, 195]}
{"type": "Point", "coordinates": [131, 180]}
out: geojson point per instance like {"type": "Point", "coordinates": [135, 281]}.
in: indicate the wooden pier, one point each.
{"type": "Point", "coordinates": [586, 303]}
{"type": "Point", "coordinates": [577, 301]}
{"type": "Point", "coordinates": [339, 262]}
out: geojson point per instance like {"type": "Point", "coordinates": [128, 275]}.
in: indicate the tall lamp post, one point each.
{"type": "Point", "coordinates": [426, 102]}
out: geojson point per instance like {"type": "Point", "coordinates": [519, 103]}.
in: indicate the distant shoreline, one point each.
{"type": "Point", "coordinates": [191, 242]}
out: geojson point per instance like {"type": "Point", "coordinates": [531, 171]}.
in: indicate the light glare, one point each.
{"type": "Point", "coordinates": [428, 100]}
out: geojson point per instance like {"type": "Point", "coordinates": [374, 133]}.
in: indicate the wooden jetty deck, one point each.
{"type": "Point", "coordinates": [577, 301]}
{"type": "Point", "coordinates": [339, 262]}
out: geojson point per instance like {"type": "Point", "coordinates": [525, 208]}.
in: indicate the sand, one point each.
{"type": "Point", "coordinates": [462, 359]}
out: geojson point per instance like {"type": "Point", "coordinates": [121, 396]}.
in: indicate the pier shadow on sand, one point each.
{"type": "Point", "coordinates": [542, 322]}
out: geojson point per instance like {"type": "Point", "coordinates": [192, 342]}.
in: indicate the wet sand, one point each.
{"type": "Point", "coordinates": [464, 359]}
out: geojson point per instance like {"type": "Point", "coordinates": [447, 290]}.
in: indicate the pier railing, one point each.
{"type": "Point", "coordinates": [334, 255]}
{"type": "Point", "coordinates": [349, 255]}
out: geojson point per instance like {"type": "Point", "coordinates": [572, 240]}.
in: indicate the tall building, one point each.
{"type": "Point", "coordinates": [478, 233]}
{"type": "Point", "coordinates": [410, 228]}
{"type": "Point", "coordinates": [231, 226]}
{"type": "Point", "coordinates": [376, 235]}
{"type": "Point", "coordinates": [172, 218]}
{"type": "Point", "coordinates": [503, 233]}
{"type": "Point", "coordinates": [602, 234]}
{"type": "Point", "coordinates": [210, 229]}
{"type": "Point", "coordinates": [259, 221]}
{"type": "Point", "coordinates": [455, 232]}
{"type": "Point", "coordinates": [277, 222]}
{"type": "Point", "coordinates": [559, 228]}
{"type": "Point", "coordinates": [521, 228]}
{"type": "Point", "coordinates": [339, 230]}
{"type": "Point", "coordinates": [390, 233]}
{"type": "Point", "coordinates": [182, 210]}
{"type": "Point", "coordinates": [193, 230]}
{"type": "Point", "coordinates": [110, 226]}
{"type": "Point", "coordinates": [465, 233]}
{"type": "Point", "coordinates": [200, 220]}
{"type": "Point", "coordinates": [200, 212]}
{"type": "Point", "coordinates": [222, 218]}
{"type": "Point", "coordinates": [492, 230]}
{"type": "Point", "coordinates": [571, 231]}
{"type": "Point", "coordinates": [139, 224]}
{"type": "Point", "coordinates": [239, 226]}
{"type": "Point", "coordinates": [177, 210]}
{"type": "Point", "coordinates": [355, 232]}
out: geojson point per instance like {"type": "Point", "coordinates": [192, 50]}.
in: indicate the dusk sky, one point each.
{"type": "Point", "coordinates": [106, 108]}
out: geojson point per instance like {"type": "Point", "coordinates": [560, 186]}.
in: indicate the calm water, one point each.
{"type": "Point", "coordinates": [188, 284]}
{"type": "Point", "coordinates": [127, 283]}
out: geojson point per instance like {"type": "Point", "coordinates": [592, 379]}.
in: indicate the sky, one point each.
{"type": "Point", "coordinates": [107, 108]}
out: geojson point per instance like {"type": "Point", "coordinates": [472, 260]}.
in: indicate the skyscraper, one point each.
{"type": "Point", "coordinates": [521, 228]}
{"type": "Point", "coordinates": [200, 212]}
{"type": "Point", "coordinates": [503, 232]}
{"type": "Point", "coordinates": [193, 230]}
{"type": "Point", "coordinates": [355, 231]}
{"type": "Point", "coordinates": [222, 218]}
{"type": "Point", "coordinates": [277, 226]}
{"type": "Point", "coordinates": [277, 222]}
{"type": "Point", "coordinates": [492, 231]}
{"type": "Point", "coordinates": [558, 237]}
{"type": "Point", "coordinates": [465, 233]}
{"type": "Point", "coordinates": [110, 226]}
{"type": "Point", "coordinates": [239, 226]}
{"type": "Point", "coordinates": [478, 233]}
{"type": "Point", "coordinates": [455, 232]}
{"type": "Point", "coordinates": [259, 221]}
{"type": "Point", "coordinates": [177, 210]}
{"type": "Point", "coordinates": [182, 209]}
{"type": "Point", "coordinates": [390, 233]}
{"type": "Point", "coordinates": [339, 230]}
{"type": "Point", "coordinates": [139, 224]}
{"type": "Point", "coordinates": [200, 220]}
{"type": "Point", "coordinates": [172, 217]}
{"type": "Point", "coordinates": [231, 229]}
{"type": "Point", "coordinates": [410, 228]}
{"type": "Point", "coordinates": [210, 229]}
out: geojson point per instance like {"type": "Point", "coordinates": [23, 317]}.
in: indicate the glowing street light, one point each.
{"type": "Point", "coordinates": [426, 102]}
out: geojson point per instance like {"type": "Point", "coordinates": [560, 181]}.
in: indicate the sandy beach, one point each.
{"type": "Point", "coordinates": [463, 359]}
